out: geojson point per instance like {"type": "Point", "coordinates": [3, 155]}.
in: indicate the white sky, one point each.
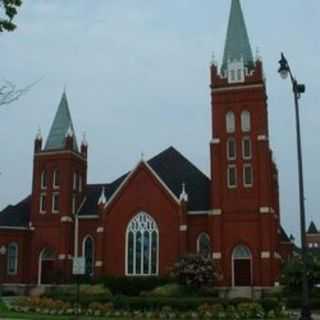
{"type": "Point", "coordinates": [137, 77]}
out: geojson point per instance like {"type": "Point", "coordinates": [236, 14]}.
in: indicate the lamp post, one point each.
{"type": "Point", "coordinates": [298, 90]}
{"type": "Point", "coordinates": [3, 251]}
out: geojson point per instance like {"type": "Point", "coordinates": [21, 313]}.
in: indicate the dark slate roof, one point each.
{"type": "Point", "coordinates": [283, 236]}
{"type": "Point", "coordinates": [16, 216]}
{"type": "Point", "coordinates": [94, 192]}
{"type": "Point", "coordinates": [173, 169]}
{"type": "Point", "coordinates": [312, 228]}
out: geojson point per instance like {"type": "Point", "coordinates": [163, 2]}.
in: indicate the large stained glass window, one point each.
{"type": "Point", "coordinates": [142, 243]}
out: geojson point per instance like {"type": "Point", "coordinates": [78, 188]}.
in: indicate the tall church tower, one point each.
{"type": "Point", "coordinates": [59, 182]}
{"type": "Point", "coordinates": [244, 191]}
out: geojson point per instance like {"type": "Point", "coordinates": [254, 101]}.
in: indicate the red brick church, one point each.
{"type": "Point", "coordinates": [139, 224]}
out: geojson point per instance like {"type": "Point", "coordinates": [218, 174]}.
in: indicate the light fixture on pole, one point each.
{"type": "Point", "coordinates": [298, 90]}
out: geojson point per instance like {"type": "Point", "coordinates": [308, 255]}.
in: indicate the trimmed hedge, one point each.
{"type": "Point", "coordinates": [132, 287]}
{"type": "Point", "coordinates": [179, 304]}
{"type": "Point", "coordinates": [296, 302]}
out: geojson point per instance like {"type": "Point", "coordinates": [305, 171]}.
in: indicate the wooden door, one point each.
{"type": "Point", "coordinates": [47, 272]}
{"type": "Point", "coordinates": [242, 273]}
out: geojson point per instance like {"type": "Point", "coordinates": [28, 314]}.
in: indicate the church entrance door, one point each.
{"type": "Point", "coordinates": [242, 267]}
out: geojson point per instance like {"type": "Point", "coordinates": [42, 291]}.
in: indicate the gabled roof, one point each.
{"type": "Point", "coordinates": [237, 43]}
{"type": "Point", "coordinates": [60, 126]}
{"type": "Point", "coordinates": [283, 236]}
{"type": "Point", "coordinates": [173, 169]}
{"type": "Point", "coordinates": [312, 228]}
{"type": "Point", "coordinates": [17, 215]}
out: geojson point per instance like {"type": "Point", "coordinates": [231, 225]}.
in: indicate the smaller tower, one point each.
{"type": "Point", "coordinates": [313, 237]}
{"type": "Point", "coordinates": [59, 183]}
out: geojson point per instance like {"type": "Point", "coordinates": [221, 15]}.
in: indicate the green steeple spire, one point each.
{"type": "Point", "coordinates": [237, 44]}
{"type": "Point", "coordinates": [61, 125]}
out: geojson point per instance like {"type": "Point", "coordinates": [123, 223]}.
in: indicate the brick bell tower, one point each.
{"type": "Point", "coordinates": [244, 191]}
{"type": "Point", "coordinates": [59, 182]}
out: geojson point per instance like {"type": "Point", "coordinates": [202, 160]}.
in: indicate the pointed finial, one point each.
{"type": "Point", "coordinates": [142, 156]}
{"type": "Point", "coordinates": [292, 238]}
{"type": "Point", "coordinates": [213, 59]}
{"type": "Point", "coordinates": [183, 195]}
{"type": "Point", "coordinates": [69, 133]}
{"type": "Point", "coordinates": [102, 198]}
{"type": "Point", "coordinates": [39, 135]}
{"type": "Point", "coordinates": [258, 56]}
{"type": "Point", "coordinates": [84, 140]}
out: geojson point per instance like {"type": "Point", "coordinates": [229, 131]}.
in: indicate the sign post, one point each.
{"type": "Point", "coordinates": [78, 269]}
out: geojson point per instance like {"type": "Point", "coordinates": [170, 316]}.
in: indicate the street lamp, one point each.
{"type": "Point", "coordinates": [298, 90]}
{"type": "Point", "coordinates": [3, 251]}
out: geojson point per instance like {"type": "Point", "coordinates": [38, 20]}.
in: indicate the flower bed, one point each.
{"type": "Point", "coordinates": [205, 311]}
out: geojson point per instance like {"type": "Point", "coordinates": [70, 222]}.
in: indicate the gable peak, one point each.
{"type": "Point", "coordinates": [312, 228]}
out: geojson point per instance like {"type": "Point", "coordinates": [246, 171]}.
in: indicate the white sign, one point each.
{"type": "Point", "coordinates": [79, 266]}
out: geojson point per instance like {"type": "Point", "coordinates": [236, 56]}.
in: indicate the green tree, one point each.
{"type": "Point", "coordinates": [291, 276]}
{"type": "Point", "coordinates": [8, 10]}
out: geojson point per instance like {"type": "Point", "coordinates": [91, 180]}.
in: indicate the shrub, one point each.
{"type": "Point", "coordinates": [103, 308]}
{"type": "Point", "coordinates": [195, 270]}
{"type": "Point", "coordinates": [36, 303]}
{"type": "Point", "coordinates": [176, 290]}
{"type": "Point", "coordinates": [236, 301]}
{"type": "Point", "coordinates": [97, 289]}
{"type": "Point", "coordinates": [168, 290]}
{"type": "Point", "coordinates": [213, 309]}
{"type": "Point", "coordinates": [88, 294]}
{"type": "Point", "coordinates": [250, 311]}
{"type": "Point", "coordinates": [132, 286]}
{"type": "Point", "coordinates": [296, 302]}
{"type": "Point", "coordinates": [157, 303]}
{"type": "Point", "coordinates": [291, 276]}
{"type": "Point", "coordinates": [271, 304]}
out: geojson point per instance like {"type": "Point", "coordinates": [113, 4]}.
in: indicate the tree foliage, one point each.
{"type": "Point", "coordinates": [291, 276]}
{"type": "Point", "coordinates": [9, 93]}
{"type": "Point", "coordinates": [195, 270]}
{"type": "Point", "coordinates": [8, 10]}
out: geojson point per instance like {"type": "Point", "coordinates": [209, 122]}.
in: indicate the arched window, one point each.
{"type": "Point", "coordinates": [12, 262]}
{"type": "Point", "coordinates": [56, 178]}
{"type": "Point", "coordinates": [203, 244]}
{"type": "Point", "coordinates": [142, 245]}
{"type": "Point", "coordinates": [245, 121]}
{"type": "Point", "coordinates": [231, 149]}
{"type": "Point", "coordinates": [246, 148]}
{"type": "Point", "coordinates": [88, 253]}
{"type": "Point", "coordinates": [44, 179]}
{"type": "Point", "coordinates": [230, 122]}
{"type": "Point", "coordinates": [241, 252]}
